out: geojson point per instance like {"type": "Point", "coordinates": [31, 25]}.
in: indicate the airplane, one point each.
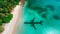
{"type": "Point", "coordinates": [32, 23]}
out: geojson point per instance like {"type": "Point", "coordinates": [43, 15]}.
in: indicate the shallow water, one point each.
{"type": "Point", "coordinates": [50, 17]}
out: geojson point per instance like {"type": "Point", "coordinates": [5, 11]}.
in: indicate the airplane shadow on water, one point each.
{"type": "Point", "coordinates": [32, 23]}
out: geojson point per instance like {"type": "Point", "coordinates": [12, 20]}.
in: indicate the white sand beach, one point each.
{"type": "Point", "coordinates": [11, 27]}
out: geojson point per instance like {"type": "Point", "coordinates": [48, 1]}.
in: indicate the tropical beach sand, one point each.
{"type": "Point", "coordinates": [10, 28]}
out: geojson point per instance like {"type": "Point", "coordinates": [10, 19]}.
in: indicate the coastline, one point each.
{"type": "Point", "coordinates": [11, 27]}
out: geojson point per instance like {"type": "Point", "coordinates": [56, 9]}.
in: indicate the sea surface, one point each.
{"type": "Point", "coordinates": [47, 11]}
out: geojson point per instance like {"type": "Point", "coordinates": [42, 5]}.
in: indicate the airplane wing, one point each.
{"type": "Point", "coordinates": [32, 23]}
{"type": "Point", "coordinates": [33, 26]}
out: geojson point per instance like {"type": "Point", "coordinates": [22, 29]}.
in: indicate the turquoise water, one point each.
{"type": "Point", "coordinates": [46, 10]}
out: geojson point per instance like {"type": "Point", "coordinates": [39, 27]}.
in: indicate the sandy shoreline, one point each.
{"type": "Point", "coordinates": [11, 27]}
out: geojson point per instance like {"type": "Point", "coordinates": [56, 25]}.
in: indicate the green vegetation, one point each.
{"type": "Point", "coordinates": [1, 29]}
{"type": "Point", "coordinates": [5, 11]}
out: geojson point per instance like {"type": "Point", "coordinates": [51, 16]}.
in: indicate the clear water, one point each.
{"type": "Point", "coordinates": [51, 17]}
